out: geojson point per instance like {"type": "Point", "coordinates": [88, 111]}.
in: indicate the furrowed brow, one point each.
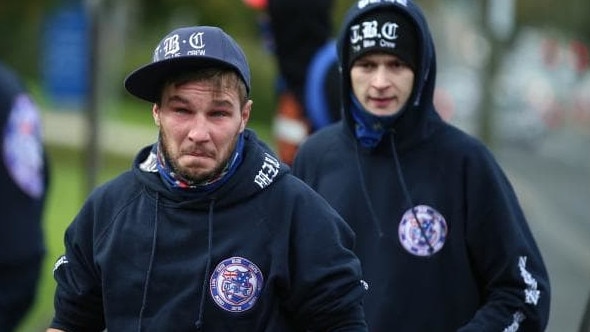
{"type": "Point", "coordinates": [177, 99]}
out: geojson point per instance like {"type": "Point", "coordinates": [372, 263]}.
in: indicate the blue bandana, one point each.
{"type": "Point", "coordinates": [173, 180]}
{"type": "Point", "coordinates": [369, 128]}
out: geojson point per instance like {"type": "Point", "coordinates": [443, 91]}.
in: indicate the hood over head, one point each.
{"type": "Point", "coordinates": [412, 42]}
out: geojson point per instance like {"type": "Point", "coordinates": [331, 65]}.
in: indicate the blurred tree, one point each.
{"type": "Point", "coordinates": [569, 16]}
{"type": "Point", "coordinates": [20, 23]}
{"type": "Point", "coordinates": [232, 15]}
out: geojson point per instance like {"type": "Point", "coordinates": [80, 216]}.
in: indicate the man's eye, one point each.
{"type": "Point", "coordinates": [365, 65]}
{"type": "Point", "coordinates": [399, 64]}
{"type": "Point", "coordinates": [218, 114]}
{"type": "Point", "coordinates": [180, 110]}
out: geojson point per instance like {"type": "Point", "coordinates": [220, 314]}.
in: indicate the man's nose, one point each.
{"type": "Point", "coordinates": [199, 129]}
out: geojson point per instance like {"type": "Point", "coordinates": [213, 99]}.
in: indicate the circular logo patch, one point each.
{"type": "Point", "coordinates": [23, 147]}
{"type": "Point", "coordinates": [236, 284]}
{"type": "Point", "coordinates": [425, 236]}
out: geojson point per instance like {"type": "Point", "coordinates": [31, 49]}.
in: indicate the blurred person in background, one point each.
{"type": "Point", "coordinates": [442, 239]}
{"type": "Point", "coordinates": [298, 33]}
{"type": "Point", "coordinates": [24, 180]}
{"type": "Point", "coordinates": [209, 230]}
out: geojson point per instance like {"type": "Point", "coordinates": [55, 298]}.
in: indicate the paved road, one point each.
{"type": "Point", "coordinates": [555, 194]}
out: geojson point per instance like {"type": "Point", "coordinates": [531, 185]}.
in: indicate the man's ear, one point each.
{"type": "Point", "coordinates": [156, 114]}
{"type": "Point", "coordinates": [246, 114]}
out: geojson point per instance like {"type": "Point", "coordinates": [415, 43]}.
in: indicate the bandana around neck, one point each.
{"type": "Point", "coordinates": [369, 128]}
{"type": "Point", "coordinates": [174, 180]}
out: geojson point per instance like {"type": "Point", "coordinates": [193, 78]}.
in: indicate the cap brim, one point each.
{"type": "Point", "coordinates": [146, 82]}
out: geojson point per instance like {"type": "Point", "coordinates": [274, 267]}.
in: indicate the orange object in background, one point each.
{"type": "Point", "coordinates": [256, 4]}
{"type": "Point", "coordinates": [290, 127]}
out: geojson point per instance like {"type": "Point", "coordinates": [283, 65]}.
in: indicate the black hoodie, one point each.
{"type": "Point", "coordinates": [261, 253]}
{"type": "Point", "coordinates": [24, 172]}
{"type": "Point", "coordinates": [470, 263]}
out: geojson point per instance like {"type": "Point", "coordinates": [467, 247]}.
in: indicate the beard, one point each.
{"type": "Point", "coordinates": [185, 173]}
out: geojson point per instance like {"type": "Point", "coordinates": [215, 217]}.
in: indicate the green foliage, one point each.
{"type": "Point", "coordinates": [569, 16]}
{"type": "Point", "coordinates": [145, 22]}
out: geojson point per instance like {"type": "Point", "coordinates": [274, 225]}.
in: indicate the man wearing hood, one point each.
{"type": "Point", "coordinates": [208, 230]}
{"type": "Point", "coordinates": [442, 239]}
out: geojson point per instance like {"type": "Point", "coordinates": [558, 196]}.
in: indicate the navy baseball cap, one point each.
{"type": "Point", "coordinates": [187, 48]}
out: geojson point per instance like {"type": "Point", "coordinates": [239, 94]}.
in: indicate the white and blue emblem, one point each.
{"type": "Point", "coordinates": [425, 236]}
{"type": "Point", "coordinates": [236, 284]}
{"type": "Point", "coordinates": [23, 146]}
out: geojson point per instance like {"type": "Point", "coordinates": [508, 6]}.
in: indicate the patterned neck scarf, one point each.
{"type": "Point", "coordinates": [369, 128]}
{"type": "Point", "coordinates": [174, 180]}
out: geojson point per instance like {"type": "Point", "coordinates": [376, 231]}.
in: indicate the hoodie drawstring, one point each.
{"type": "Point", "coordinates": [150, 264]}
{"type": "Point", "coordinates": [406, 193]}
{"type": "Point", "coordinates": [199, 323]}
{"type": "Point", "coordinates": [404, 188]}
{"type": "Point", "coordinates": [365, 192]}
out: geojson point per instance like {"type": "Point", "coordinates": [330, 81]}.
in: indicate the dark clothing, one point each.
{"type": "Point", "coordinates": [442, 239]}
{"type": "Point", "coordinates": [263, 252]}
{"type": "Point", "coordinates": [24, 173]}
{"type": "Point", "coordinates": [300, 31]}
{"type": "Point", "coordinates": [299, 28]}
{"type": "Point", "coordinates": [18, 290]}
{"type": "Point", "coordinates": [24, 178]}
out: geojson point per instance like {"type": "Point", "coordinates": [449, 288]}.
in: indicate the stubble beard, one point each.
{"type": "Point", "coordinates": [185, 172]}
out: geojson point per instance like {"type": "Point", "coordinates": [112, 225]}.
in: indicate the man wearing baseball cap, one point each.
{"type": "Point", "coordinates": [440, 233]}
{"type": "Point", "coordinates": [208, 231]}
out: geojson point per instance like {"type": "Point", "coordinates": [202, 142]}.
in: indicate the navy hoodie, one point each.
{"type": "Point", "coordinates": [442, 239]}
{"type": "Point", "coordinates": [263, 252]}
{"type": "Point", "coordinates": [24, 173]}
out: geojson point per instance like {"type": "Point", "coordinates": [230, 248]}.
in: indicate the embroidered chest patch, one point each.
{"type": "Point", "coordinates": [23, 147]}
{"type": "Point", "coordinates": [236, 284]}
{"type": "Point", "coordinates": [423, 231]}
